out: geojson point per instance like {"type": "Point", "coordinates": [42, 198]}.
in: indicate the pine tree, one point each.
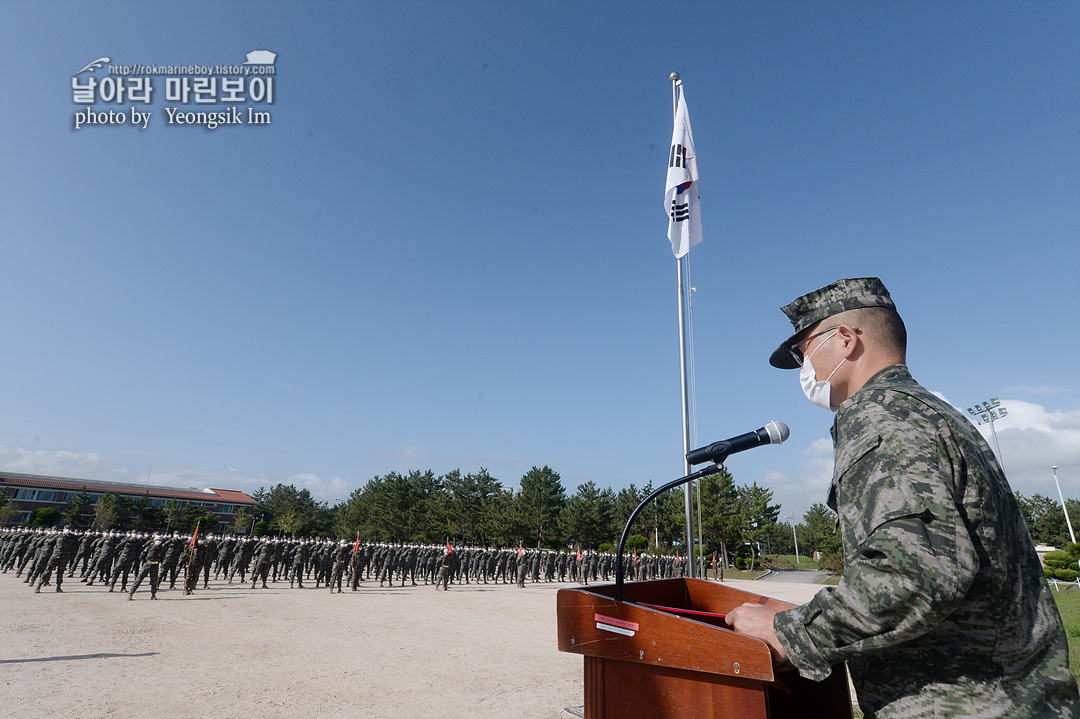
{"type": "Point", "coordinates": [541, 501]}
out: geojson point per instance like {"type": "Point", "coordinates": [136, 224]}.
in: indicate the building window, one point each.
{"type": "Point", "coordinates": [35, 495]}
{"type": "Point", "coordinates": [227, 509]}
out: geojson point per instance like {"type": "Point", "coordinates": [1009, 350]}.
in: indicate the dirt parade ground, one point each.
{"type": "Point", "coordinates": [231, 651]}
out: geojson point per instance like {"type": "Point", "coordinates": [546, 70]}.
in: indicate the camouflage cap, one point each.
{"type": "Point", "coordinates": [811, 308]}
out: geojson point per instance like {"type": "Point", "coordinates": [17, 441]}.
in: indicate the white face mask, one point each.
{"type": "Point", "coordinates": [818, 392]}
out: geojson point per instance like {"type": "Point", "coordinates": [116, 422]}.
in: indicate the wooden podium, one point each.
{"type": "Point", "coordinates": [643, 661]}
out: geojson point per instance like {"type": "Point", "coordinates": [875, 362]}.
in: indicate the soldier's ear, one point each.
{"type": "Point", "coordinates": [848, 340]}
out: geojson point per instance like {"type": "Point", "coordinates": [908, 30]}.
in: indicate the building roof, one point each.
{"type": "Point", "coordinates": [224, 496]}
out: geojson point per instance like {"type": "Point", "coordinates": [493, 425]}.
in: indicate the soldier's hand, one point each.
{"type": "Point", "coordinates": [757, 621]}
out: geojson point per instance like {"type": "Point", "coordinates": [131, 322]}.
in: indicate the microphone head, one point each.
{"type": "Point", "coordinates": [778, 432]}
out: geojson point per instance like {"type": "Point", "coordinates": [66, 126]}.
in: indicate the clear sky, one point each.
{"type": "Point", "coordinates": [447, 248]}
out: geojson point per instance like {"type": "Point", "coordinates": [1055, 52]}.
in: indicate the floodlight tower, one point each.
{"type": "Point", "coordinates": [986, 413]}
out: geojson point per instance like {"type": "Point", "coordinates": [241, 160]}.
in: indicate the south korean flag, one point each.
{"type": "Point", "coordinates": [681, 200]}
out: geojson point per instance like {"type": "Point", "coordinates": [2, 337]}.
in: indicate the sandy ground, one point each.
{"type": "Point", "coordinates": [231, 651]}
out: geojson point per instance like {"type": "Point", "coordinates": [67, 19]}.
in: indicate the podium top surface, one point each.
{"type": "Point", "coordinates": [592, 623]}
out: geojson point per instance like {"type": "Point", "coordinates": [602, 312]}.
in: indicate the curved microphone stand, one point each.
{"type": "Point", "coordinates": [711, 469]}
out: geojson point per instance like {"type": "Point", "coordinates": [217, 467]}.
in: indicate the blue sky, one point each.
{"type": "Point", "coordinates": [447, 249]}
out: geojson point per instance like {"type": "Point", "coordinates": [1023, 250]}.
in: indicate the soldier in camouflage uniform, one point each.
{"type": "Point", "coordinates": [17, 546]}
{"type": "Point", "coordinates": [431, 562]}
{"type": "Point", "coordinates": [67, 544]}
{"type": "Point", "coordinates": [342, 557]}
{"type": "Point", "coordinates": [225, 556]}
{"type": "Point", "coordinates": [197, 557]}
{"type": "Point", "coordinates": [264, 557]}
{"type": "Point", "coordinates": [153, 554]}
{"type": "Point", "coordinates": [175, 553]}
{"type": "Point", "coordinates": [444, 570]}
{"type": "Point", "coordinates": [500, 566]}
{"type": "Point", "coordinates": [101, 565]}
{"type": "Point", "coordinates": [41, 556]}
{"type": "Point", "coordinates": [324, 563]}
{"type": "Point", "coordinates": [130, 548]}
{"type": "Point", "coordinates": [360, 556]}
{"type": "Point", "coordinates": [33, 545]}
{"type": "Point", "coordinates": [211, 554]}
{"type": "Point", "coordinates": [82, 553]}
{"type": "Point", "coordinates": [522, 564]}
{"type": "Point", "coordinates": [943, 609]}
{"type": "Point", "coordinates": [242, 558]}
{"type": "Point", "coordinates": [298, 561]}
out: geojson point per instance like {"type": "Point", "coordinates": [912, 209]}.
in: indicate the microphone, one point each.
{"type": "Point", "coordinates": [772, 433]}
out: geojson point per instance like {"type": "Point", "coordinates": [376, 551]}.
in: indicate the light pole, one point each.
{"type": "Point", "coordinates": [1063, 509]}
{"type": "Point", "coordinates": [986, 413]}
{"type": "Point", "coordinates": [796, 537]}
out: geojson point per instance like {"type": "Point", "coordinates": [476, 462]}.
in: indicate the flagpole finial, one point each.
{"type": "Point", "coordinates": [674, 77]}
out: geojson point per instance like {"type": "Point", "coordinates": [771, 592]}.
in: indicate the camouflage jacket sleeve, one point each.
{"type": "Point", "coordinates": [909, 559]}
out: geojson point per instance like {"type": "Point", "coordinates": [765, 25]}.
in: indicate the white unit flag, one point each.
{"type": "Point", "coordinates": [681, 199]}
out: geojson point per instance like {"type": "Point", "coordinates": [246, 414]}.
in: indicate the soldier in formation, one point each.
{"type": "Point", "coordinates": [152, 556]}
{"type": "Point", "coordinates": [64, 549]}
{"type": "Point", "coordinates": [130, 548]}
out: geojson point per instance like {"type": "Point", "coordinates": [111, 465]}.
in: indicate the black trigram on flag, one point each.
{"type": "Point", "coordinates": [678, 156]}
{"type": "Point", "coordinates": [680, 213]}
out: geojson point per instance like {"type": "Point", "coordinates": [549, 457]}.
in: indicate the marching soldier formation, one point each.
{"type": "Point", "coordinates": [44, 557]}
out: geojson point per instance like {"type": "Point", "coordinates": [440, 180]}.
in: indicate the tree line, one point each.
{"type": "Point", "coordinates": [737, 520]}
{"type": "Point", "coordinates": [476, 509]}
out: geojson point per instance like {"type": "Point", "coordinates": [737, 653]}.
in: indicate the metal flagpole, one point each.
{"type": "Point", "coordinates": [688, 493]}
{"type": "Point", "coordinates": [683, 295]}
{"type": "Point", "coordinates": [693, 402]}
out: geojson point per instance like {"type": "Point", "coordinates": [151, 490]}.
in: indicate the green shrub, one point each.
{"type": "Point", "coordinates": [45, 517]}
{"type": "Point", "coordinates": [1058, 559]}
{"type": "Point", "coordinates": [832, 562]}
{"type": "Point", "coordinates": [1061, 566]}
